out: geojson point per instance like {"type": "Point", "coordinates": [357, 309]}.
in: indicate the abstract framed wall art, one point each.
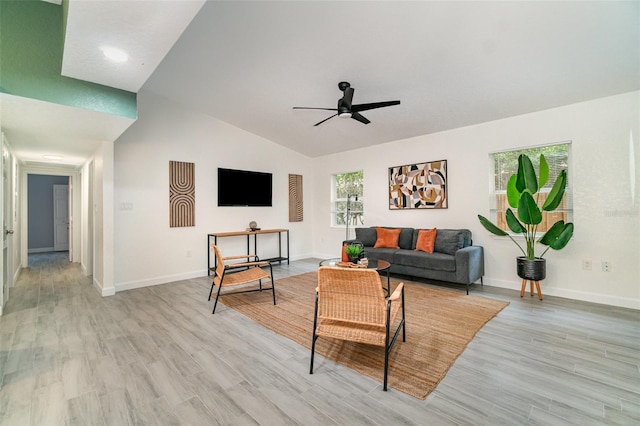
{"type": "Point", "coordinates": [418, 186]}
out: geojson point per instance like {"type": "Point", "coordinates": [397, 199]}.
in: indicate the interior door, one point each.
{"type": "Point", "coordinates": [7, 228]}
{"type": "Point", "coordinates": [60, 217]}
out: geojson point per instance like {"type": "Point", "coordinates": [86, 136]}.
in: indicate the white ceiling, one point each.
{"type": "Point", "coordinates": [36, 128]}
{"type": "Point", "coordinates": [146, 29]}
{"type": "Point", "coordinates": [451, 64]}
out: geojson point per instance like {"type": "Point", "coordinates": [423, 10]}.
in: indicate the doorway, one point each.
{"type": "Point", "coordinates": [80, 188]}
{"type": "Point", "coordinates": [48, 213]}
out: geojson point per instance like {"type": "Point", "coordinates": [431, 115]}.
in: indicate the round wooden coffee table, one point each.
{"type": "Point", "coordinates": [377, 265]}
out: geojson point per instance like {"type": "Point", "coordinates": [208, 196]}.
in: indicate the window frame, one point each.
{"type": "Point", "coordinates": [565, 214]}
{"type": "Point", "coordinates": [334, 211]}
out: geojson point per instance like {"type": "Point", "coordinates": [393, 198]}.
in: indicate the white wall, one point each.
{"type": "Point", "coordinates": [103, 224]}
{"type": "Point", "coordinates": [606, 199]}
{"type": "Point", "coordinates": [87, 210]}
{"type": "Point", "coordinates": [147, 250]}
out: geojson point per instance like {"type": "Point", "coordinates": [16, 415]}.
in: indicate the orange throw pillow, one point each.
{"type": "Point", "coordinates": [426, 240]}
{"type": "Point", "coordinates": [387, 238]}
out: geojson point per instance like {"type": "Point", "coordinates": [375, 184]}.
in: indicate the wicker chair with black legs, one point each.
{"type": "Point", "coordinates": [351, 305]}
{"type": "Point", "coordinates": [245, 273]}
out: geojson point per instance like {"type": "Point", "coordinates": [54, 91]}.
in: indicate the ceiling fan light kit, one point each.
{"type": "Point", "coordinates": [346, 109]}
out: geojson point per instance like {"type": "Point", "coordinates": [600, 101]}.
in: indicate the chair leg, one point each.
{"type": "Point", "coordinates": [404, 323]}
{"type": "Point", "coordinates": [211, 291]}
{"type": "Point", "coordinates": [273, 284]}
{"type": "Point", "coordinates": [386, 347]}
{"type": "Point", "coordinates": [216, 302]}
{"type": "Point", "coordinates": [313, 351]}
{"type": "Point", "coordinates": [273, 290]}
{"type": "Point", "coordinates": [314, 337]}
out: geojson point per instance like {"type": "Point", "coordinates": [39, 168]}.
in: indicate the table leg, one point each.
{"type": "Point", "coordinates": [208, 255]}
{"type": "Point", "coordinates": [388, 284]}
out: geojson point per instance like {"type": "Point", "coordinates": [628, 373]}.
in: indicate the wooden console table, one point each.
{"type": "Point", "coordinates": [255, 234]}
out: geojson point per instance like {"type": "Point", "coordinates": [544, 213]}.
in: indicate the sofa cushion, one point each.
{"type": "Point", "coordinates": [405, 240]}
{"type": "Point", "coordinates": [387, 238]}
{"type": "Point", "coordinates": [419, 259]}
{"type": "Point", "coordinates": [426, 240]}
{"type": "Point", "coordinates": [368, 236]}
{"type": "Point", "coordinates": [449, 241]}
{"type": "Point", "coordinates": [380, 254]}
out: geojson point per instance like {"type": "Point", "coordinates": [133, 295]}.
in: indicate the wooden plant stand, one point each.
{"type": "Point", "coordinates": [531, 283]}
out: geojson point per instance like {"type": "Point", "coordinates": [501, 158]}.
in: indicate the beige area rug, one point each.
{"type": "Point", "coordinates": [440, 324]}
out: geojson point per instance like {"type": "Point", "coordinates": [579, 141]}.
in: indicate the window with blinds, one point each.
{"type": "Point", "coordinates": [505, 164]}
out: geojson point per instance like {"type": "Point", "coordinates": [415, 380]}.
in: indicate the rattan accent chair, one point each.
{"type": "Point", "coordinates": [351, 305]}
{"type": "Point", "coordinates": [239, 274]}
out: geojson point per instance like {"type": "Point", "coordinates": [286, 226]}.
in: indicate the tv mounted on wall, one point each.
{"type": "Point", "coordinates": [244, 188]}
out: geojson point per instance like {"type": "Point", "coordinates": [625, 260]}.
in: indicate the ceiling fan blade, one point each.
{"type": "Point", "coordinates": [324, 109]}
{"type": "Point", "coordinates": [359, 117]}
{"type": "Point", "coordinates": [320, 122]}
{"type": "Point", "coordinates": [365, 107]}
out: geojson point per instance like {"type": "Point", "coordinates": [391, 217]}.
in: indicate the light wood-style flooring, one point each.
{"type": "Point", "coordinates": [157, 356]}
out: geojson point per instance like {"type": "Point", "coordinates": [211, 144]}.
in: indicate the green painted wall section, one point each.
{"type": "Point", "coordinates": [31, 47]}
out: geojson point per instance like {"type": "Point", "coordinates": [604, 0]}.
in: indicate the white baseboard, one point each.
{"type": "Point", "coordinates": [130, 285]}
{"type": "Point", "coordinates": [104, 292]}
{"type": "Point", "coordinates": [583, 296]}
{"type": "Point", "coordinates": [300, 257]}
{"type": "Point", "coordinates": [40, 250]}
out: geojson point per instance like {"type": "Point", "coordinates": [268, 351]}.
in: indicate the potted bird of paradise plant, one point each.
{"type": "Point", "coordinates": [523, 195]}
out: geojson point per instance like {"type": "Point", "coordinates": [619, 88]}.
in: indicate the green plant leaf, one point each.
{"type": "Point", "coordinates": [528, 211]}
{"type": "Point", "coordinates": [491, 227]}
{"type": "Point", "coordinates": [557, 192]}
{"type": "Point", "coordinates": [353, 250]}
{"type": "Point", "coordinates": [526, 179]}
{"type": "Point", "coordinates": [563, 238]}
{"type": "Point", "coordinates": [552, 233]}
{"type": "Point", "coordinates": [558, 235]}
{"type": "Point", "coordinates": [514, 223]}
{"type": "Point", "coordinates": [513, 195]}
{"type": "Point", "coordinates": [544, 171]}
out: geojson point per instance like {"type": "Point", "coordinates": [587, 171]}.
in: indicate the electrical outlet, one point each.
{"type": "Point", "coordinates": [586, 264]}
{"type": "Point", "coordinates": [188, 253]}
{"type": "Point", "coordinates": [606, 266]}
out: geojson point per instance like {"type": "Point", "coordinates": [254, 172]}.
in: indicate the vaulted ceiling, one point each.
{"type": "Point", "coordinates": [451, 64]}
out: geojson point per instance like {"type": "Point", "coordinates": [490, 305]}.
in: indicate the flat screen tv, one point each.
{"type": "Point", "coordinates": [244, 188]}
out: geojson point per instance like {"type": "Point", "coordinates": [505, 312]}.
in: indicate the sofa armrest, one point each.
{"type": "Point", "coordinates": [469, 264]}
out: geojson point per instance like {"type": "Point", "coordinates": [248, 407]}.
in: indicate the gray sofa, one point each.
{"type": "Point", "coordinates": [454, 259]}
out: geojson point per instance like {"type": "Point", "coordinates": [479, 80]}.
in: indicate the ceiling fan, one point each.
{"type": "Point", "coordinates": [347, 110]}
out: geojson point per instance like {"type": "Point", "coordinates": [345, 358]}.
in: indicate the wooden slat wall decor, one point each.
{"type": "Point", "coordinates": [182, 194]}
{"type": "Point", "coordinates": [295, 198]}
